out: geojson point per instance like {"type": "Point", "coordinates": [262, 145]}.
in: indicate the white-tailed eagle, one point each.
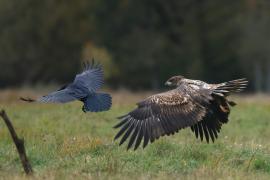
{"type": "Point", "coordinates": [202, 107]}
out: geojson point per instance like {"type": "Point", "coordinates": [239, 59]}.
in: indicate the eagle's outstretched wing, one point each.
{"type": "Point", "coordinates": [163, 114]}
{"type": "Point", "coordinates": [218, 110]}
{"type": "Point", "coordinates": [91, 78]}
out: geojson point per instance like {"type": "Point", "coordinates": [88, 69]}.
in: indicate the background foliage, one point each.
{"type": "Point", "coordinates": [140, 42]}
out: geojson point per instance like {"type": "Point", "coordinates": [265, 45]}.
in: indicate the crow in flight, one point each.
{"type": "Point", "coordinates": [83, 88]}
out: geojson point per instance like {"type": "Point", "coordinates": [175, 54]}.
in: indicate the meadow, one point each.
{"type": "Point", "coordinates": [62, 142]}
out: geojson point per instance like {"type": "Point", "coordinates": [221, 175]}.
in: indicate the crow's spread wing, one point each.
{"type": "Point", "coordinates": [91, 78]}
{"type": "Point", "coordinates": [61, 96]}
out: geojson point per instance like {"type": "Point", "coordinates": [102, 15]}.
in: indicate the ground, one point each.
{"type": "Point", "coordinates": [62, 142]}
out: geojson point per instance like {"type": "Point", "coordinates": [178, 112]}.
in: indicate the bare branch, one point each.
{"type": "Point", "coordinates": [18, 142]}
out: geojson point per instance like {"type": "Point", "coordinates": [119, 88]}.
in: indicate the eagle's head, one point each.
{"type": "Point", "coordinates": [174, 81]}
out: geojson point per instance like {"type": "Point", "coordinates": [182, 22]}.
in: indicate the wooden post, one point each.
{"type": "Point", "coordinates": [19, 143]}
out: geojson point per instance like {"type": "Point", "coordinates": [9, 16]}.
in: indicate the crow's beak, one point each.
{"type": "Point", "coordinates": [168, 83]}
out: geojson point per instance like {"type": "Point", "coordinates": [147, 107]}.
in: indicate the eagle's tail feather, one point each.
{"type": "Point", "coordinates": [233, 86]}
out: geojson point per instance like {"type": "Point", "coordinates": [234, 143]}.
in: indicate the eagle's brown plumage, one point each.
{"type": "Point", "coordinates": [196, 104]}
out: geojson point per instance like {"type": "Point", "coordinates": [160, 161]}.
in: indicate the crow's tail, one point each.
{"type": "Point", "coordinates": [97, 102]}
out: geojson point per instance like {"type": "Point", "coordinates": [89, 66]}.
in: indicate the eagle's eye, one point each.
{"type": "Point", "coordinates": [170, 82]}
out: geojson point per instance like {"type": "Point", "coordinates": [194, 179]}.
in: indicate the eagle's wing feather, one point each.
{"type": "Point", "coordinates": [91, 78]}
{"type": "Point", "coordinates": [162, 114]}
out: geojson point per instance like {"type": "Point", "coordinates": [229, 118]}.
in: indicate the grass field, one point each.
{"type": "Point", "coordinates": [64, 143]}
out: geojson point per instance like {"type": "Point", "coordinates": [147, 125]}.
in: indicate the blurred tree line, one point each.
{"type": "Point", "coordinates": [140, 42]}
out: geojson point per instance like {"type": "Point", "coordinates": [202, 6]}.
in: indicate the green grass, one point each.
{"type": "Point", "coordinates": [64, 143]}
